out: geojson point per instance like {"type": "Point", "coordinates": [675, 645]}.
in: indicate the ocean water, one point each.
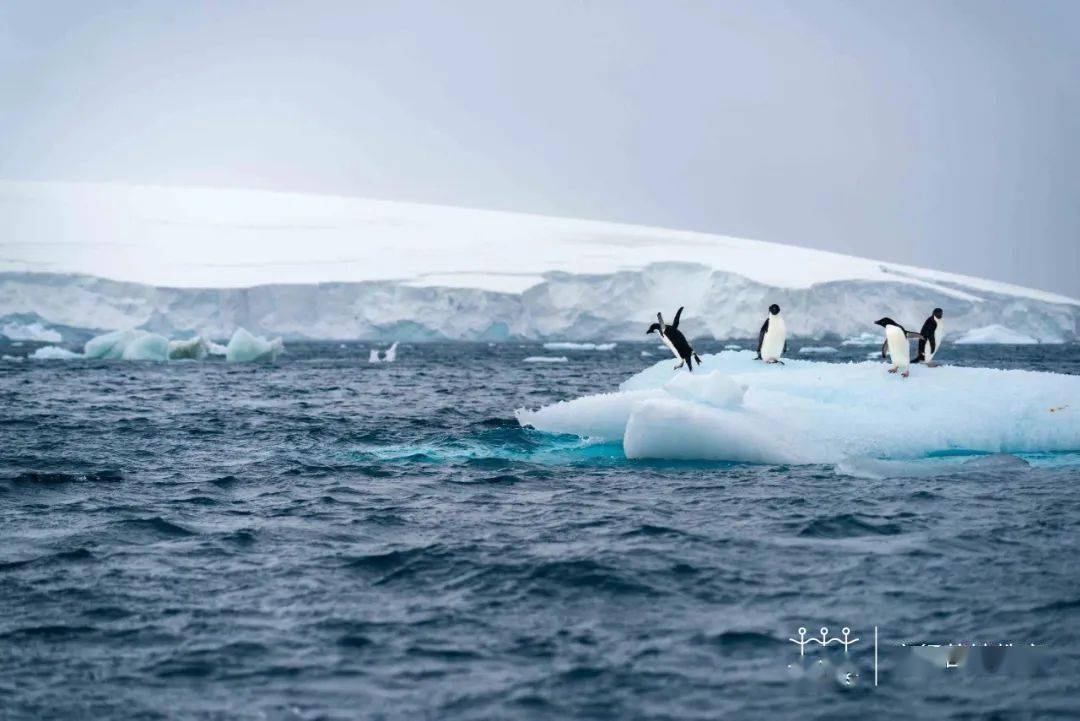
{"type": "Point", "coordinates": [322, 538]}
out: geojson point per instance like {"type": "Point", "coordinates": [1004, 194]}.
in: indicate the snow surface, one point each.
{"type": "Point", "coordinates": [742, 410]}
{"type": "Point", "coordinates": [995, 334]}
{"type": "Point", "coordinates": [184, 261]}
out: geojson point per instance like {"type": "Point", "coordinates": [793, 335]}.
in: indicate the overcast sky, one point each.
{"type": "Point", "coordinates": [942, 134]}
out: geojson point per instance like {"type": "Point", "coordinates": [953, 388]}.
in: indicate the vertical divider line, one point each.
{"type": "Point", "coordinates": [875, 655]}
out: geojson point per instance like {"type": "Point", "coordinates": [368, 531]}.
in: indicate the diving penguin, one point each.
{"type": "Point", "coordinates": [772, 340]}
{"type": "Point", "coordinates": [896, 343]}
{"type": "Point", "coordinates": [675, 340]}
{"type": "Point", "coordinates": [932, 332]}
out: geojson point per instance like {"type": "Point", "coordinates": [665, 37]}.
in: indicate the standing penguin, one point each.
{"type": "Point", "coordinates": [896, 342]}
{"type": "Point", "coordinates": [675, 341]}
{"type": "Point", "coordinates": [932, 332]}
{"type": "Point", "coordinates": [772, 340]}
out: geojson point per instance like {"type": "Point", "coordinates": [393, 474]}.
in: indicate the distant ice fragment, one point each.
{"type": "Point", "coordinates": [387, 357]}
{"type": "Point", "coordinates": [51, 352]}
{"type": "Point", "coordinates": [579, 346]}
{"type": "Point", "coordinates": [546, 359]}
{"type": "Point", "coordinates": [817, 349]}
{"type": "Point", "coordinates": [30, 331]}
{"type": "Point", "coordinates": [995, 334]}
{"type": "Point", "coordinates": [732, 346]}
{"type": "Point", "coordinates": [247, 348]}
{"type": "Point", "coordinates": [864, 339]}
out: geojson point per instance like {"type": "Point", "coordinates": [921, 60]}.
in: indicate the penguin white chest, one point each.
{"type": "Point", "coordinates": [670, 345]}
{"type": "Point", "coordinates": [899, 350]}
{"type": "Point", "coordinates": [772, 345]}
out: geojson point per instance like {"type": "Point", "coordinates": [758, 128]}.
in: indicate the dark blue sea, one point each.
{"type": "Point", "coordinates": [323, 538]}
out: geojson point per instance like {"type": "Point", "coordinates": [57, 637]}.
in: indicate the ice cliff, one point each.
{"type": "Point", "coordinates": [181, 262]}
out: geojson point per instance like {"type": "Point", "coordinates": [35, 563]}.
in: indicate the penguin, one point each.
{"type": "Point", "coordinates": [932, 332]}
{"type": "Point", "coordinates": [675, 341]}
{"type": "Point", "coordinates": [896, 343]}
{"type": "Point", "coordinates": [772, 340]}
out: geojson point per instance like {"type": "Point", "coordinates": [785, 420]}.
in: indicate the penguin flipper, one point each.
{"type": "Point", "coordinates": [885, 349]}
{"type": "Point", "coordinates": [761, 337]}
{"type": "Point", "coordinates": [912, 335]}
{"type": "Point", "coordinates": [678, 313]}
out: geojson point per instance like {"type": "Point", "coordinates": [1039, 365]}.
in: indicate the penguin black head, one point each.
{"type": "Point", "coordinates": [885, 321]}
{"type": "Point", "coordinates": [652, 328]}
{"type": "Point", "coordinates": [938, 312]}
{"type": "Point", "coordinates": [774, 309]}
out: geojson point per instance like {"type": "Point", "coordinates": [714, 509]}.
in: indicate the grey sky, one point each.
{"type": "Point", "coordinates": [943, 134]}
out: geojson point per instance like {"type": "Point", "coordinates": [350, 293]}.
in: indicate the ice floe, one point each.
{"type": "Point", "coordinates": [742, 410]}
{"type": "Point", "coordinates": [546, 359]}
{"type": "Point", "coordinates": [817, 349]}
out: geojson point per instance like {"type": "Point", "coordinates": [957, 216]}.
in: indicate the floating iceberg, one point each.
{"type": "Point", "coordinates": [247, 348]}
{"type": "Point", "coordinates": [742, 410]}
{"type": "Point", "coordinates": [995, 334]}
{"type": "Point", "coordinates": [579, 346]}
{"type": "Point", "coordinates": [547, 359]}
{"type": "Point", "coordinates": [819, 349]}
{"type": "Point", "coordinates": [52, 352]}
{"type": "Point", "coordinates": [196, 348]}
{"type": "Point", "coordinates": [127, 345]}
{"type": "Point", "coordinates": [147, 347]}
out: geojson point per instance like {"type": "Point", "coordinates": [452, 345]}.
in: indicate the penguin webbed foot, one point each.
{"type": "Point", "coordinates": [894, 369]}
{"type": "Point", "coordinates": [905, 374]}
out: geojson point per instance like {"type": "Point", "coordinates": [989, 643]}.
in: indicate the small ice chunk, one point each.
{"type": "Point", "coordinates": [579, 346]}
{"type": "Point", "coordinates": [193, 349]}
{"type": "Point", "coordinates": [546, 359]}
{"type": "Point", "coordinates": [645, 354]}
{"type": "Point", "coordinates": [732, 346]}
{"type": "Point", "coordinates": [50, 352]}
{"type": "Point", "coordinates": [817, 349]}
{"type": "Point", "coordinates": [391, 353]}
{"type": "Point", "coordinates": [863, 339]}
{"type": "Point", "coordinates": [247, 348]}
